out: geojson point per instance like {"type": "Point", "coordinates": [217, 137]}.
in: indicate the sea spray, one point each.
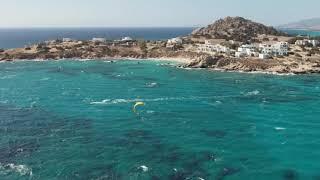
{"type": "Point", "coordinates": [22, 170]}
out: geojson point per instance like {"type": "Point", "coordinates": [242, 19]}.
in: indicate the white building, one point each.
{"type": "Point", "coordinates": [266, 48]}
{"type": "Point", "coordinates": [280, 48]}
{"type": "Point", "coordinates": [67, 39]}
{"type": "Point", "coordinates": [210, 47]}
{"type": "Point", "coordinates": [263, 56]}
{"type": "Point", "coordinates": [175, 41]}
{"type": "Point", "coordinates": [305, 42]}
{"type": "Point", "coordinates": [50, 42]}
{"type": "Point", "coordinates": [277, 49]}
{"type": "Point", "coordinates": [314, 43]}
{"type": "Point", "coordinates": [127, 39]}
{"type": "Point", "coordinates": [247, 50]}
{"type": "Point", "coordinates": [103, 40]}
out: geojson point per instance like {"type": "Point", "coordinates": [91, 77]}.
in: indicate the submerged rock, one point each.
{"type": "Point", "coordinates": [214, 133]}
{"type": "Point", "coordinates": [290, 174]}
{"type": "Point", "coordinates": [227, 171]}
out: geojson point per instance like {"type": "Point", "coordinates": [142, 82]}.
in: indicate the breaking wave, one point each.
{"type": "Point", "coordinates": [252, 93]}
{"type": "Point", "coordinates": [151, 85]}
{"type": "Point", "coordinates": [8, 77]}
{"type": "Point", "coordinates": [22, 170]}
{"type": "Point", "coordinates": [118, 101]}
{"type": "Point", "coordinates": [280, 128]}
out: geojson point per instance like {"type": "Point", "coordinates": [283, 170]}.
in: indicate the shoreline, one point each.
{"type": "Point", "coordinates": [184, 61]}
{"type": "Point", "coordinates": [177, 60]}
{"type": "Point", "coordinates": [183, 57]}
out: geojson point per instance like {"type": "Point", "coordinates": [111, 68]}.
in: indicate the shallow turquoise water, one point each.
{"type": "Point", "coordinates": [74, 120]}
{"type": "Point", "coordinates": [302, 32]}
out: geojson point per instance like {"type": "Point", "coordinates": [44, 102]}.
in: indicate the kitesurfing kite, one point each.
{"type": "Point", "coordinates": [136, 105]}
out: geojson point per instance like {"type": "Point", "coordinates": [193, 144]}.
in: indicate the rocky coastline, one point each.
{"type": "Point", "coordinates": [185, 50]}
{"type": "Point", "coordinates": [88, 50]}
{"type": "Point", "coordinates": [284, 66]}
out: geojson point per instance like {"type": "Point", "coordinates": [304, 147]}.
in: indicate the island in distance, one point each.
{"type": "Point", "coordinates": [229, 44]}
{"type": "Point", "coordinates": [307, 24]}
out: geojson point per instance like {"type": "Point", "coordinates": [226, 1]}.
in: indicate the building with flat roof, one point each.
{"type": "Point", "coordinates": [103, 40]}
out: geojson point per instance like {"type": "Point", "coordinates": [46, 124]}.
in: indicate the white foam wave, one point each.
{"type": "Point", "coordinates": [8, 77]}
{"type": "Point", "coordinates": [280, 128]}
{"type": "Point", "coordinates": [118, 101]}
{"type": "Point", "coordinates": [45, 79]}
{"type": "Point", "coordinates": [252, 72]}
{"type": "Point", "coordinates": [4, 102]}
{"type": "Point", "coordinates": [144, 168]}
{"type": "Point", "coordinates": [108, 61]}
{"type": "Point", "coordinates": [22, 170]}
{"type": "Point", "coordinates": [151, 85]}
{"type": "Point", "coordinates": [150, 112]}
{"type": "Point", "coordinates": [216, 103]}
{"type": "Point", "coordinates": [253, 93]}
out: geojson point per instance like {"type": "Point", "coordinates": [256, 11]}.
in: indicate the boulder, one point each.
{"type": "Point", "coordinates": [204, 61]}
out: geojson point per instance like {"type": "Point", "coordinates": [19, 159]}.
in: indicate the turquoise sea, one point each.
{"type": "Point", "coordinates": [74, 120]}
{"type": "Point", "coordinates": [20, 37]}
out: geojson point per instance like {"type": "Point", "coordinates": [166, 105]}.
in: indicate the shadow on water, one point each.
{"type": "Point", "coordinates": [227, 171]}
{"type": "Point", "coordinates": [290, 174]}
{"type": "Point", "coordinates": [29, 132]}
{"type": "Point", "coordinates": [214, 133]}
{"type": "Point", "coordinates": [18, 148]}
{"type": "Point", "coordinates": [74, 71]}
{"type": "Point", "coordinates": [26, 132]}
{"type": "Point", "coordinates": [104, 70]}
{"type": "Point", "coordinates": [171, 161]}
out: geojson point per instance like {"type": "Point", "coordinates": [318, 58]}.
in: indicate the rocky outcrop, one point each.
{"type": "Point", "coordinates": [236, 28]}
{"type": "Point", "coordinates": [204, 61]}
{"type": "Point", "coordinates": [253, 65]}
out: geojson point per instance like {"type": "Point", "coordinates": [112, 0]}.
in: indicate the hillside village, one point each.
{"type": "Point", "coordinates": [232, 43]}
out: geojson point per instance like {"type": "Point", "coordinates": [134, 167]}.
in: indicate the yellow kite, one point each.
{"type": "Point", "coordinates": [136, 105]}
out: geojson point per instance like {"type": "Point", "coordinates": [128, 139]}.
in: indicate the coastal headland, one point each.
{"type": "Point", "coordinates": [229, 44]}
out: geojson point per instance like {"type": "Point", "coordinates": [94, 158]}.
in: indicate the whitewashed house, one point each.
{"type": "Point", "coordinates": [281, 48]}
{"type": "Point", "coordinates": [67, 40]}
{"type": "Point", "coordinates": [314, 43]}
{"type": "Point", "coordinates": [305, 42]}
{"type": "Point", "coordinates": [127, 39]}
{"type": "Point", "coordinates": [175, 41]}
{"type": "Point", "coordinates": [103, 40]}
{"type": "Point", "coordinates": [221, 49]}
{"type": "Point", "coordinates": [50, 42]}
{"type": "Point", "coordinates": [300, 42]}
{"type": "Point", "coordinates": [210, 47]}
{"type": "Point", "coordinates": [247, 50]}
{"type": "Point", "coordinates": [264, 56]}
{"type": "Point", "coordinates": [277, 49]}
{"type": "Point", "coordinates": [266, 49]}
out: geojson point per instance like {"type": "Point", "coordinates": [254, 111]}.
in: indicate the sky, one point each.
{"type": "Point", "coordinates": [149, 13]}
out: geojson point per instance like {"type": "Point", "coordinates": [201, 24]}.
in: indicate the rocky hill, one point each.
{"type": "Point", "coordinates": [236, 28]}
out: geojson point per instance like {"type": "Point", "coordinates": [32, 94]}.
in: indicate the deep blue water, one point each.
{"type": "Point", "coordinates": [13, 38]}
{"type": "Point", "coordinates": [74, 120]}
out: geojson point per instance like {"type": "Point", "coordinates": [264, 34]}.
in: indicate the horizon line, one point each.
{"type": "Point", "coordinates": [56, 27]}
